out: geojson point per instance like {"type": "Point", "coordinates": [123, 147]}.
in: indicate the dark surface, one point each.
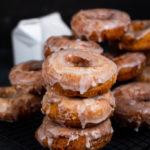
{"type": "Point", "coordinates": [20, 135]}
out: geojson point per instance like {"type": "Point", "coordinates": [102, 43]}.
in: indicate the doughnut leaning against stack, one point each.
{"type": "Point", "coordinates": [23, 97]}
{"type": "Point", "coordinates": [78, 101]}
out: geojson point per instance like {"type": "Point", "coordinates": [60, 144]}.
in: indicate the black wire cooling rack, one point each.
{"type": "Point", "coordinates": [20, 136]}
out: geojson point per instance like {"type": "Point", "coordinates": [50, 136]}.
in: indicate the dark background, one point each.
{"type": "Point", "coordinates": [11, 11]}
{"type": "Point", "coordinates": [20, 136]}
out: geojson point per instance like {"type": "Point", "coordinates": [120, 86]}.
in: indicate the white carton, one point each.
{"type": "Point", "coordinates": [29, 35]}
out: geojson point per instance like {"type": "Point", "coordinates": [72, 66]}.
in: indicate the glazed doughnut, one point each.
{"type": "Point", "coordinates": [145, 75]}
{"type": "Point", "coordinates": [78, 112]}
{"type": "Point", "coordinates": [57, 43]}
{"type": "Point", "coordinates": [79, 73]}
{"type": "Point", "coordinates": [129, 65]}
{"type": "Point", "coordinates": [55, 137]}
{"type": "Point", "coordinates": [137, 38]}
{"type": "Point", "coordinates": [15, 105]}
{"type": "Point", "coordinates": [100, 24]}
{"type": "Point", "coordinates": [27, 77]}
{"type": "Point", "coordinates": [133, 103]}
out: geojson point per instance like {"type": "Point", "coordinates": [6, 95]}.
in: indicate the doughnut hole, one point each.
{"type": "Point", "coordinates": [77, 61]}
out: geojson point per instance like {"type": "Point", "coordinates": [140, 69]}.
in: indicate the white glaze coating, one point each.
{"type": "Point", "coordinates": [86, 22]}
{"type": "Point", "coordinates": [97, 70]}
{"type": "Point", "coordinates": [58, 43]}
{"type": "Point", "coordinates": [88, 110]}
{"type": "Point", "coordinates": [50, 131]}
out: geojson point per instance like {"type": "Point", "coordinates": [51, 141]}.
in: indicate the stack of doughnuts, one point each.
{"type": "Point", "coordinates": [23, 97]}
{"type": "Point", "coordinates": [78, 102]}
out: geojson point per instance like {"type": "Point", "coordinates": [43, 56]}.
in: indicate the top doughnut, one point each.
{"type": "Point", "coordinates": [79, 73]}
{"type": "Point", "coordinates": [100, 24]}
{"type": "Point", "coordinates": [57, 43]}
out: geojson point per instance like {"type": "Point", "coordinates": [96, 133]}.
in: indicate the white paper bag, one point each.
{"type": "Point", "coordinates": [29, 35]}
